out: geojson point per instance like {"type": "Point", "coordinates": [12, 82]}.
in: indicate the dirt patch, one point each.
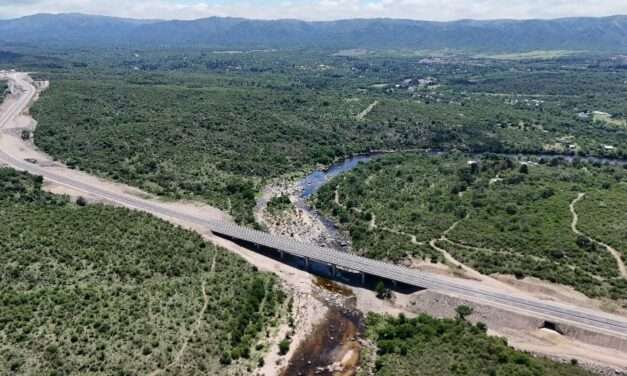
{"type": "Point", "coordinates": [554, 292]}
{"type": "Point", "coordinates": [367, 110]}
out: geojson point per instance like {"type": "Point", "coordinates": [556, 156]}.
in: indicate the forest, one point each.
{"type": "Point", "coordinates": [92, 289]}
{"type": "Point", "coordinates": [497, 214]}
{"type": "Point", "coordinates": [218, 126]}
{"type": "Point", "coordinates": [425, 346]}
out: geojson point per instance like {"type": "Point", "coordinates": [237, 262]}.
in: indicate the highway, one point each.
{"type": "Point", "coordinates": [585, 318]}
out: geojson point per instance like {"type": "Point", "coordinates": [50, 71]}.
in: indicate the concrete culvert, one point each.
{"type": "Point", "coordinates": [551, 326]}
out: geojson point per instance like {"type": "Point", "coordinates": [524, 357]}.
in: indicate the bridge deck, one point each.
{"type": "Point", "coordinates": [408, 276]}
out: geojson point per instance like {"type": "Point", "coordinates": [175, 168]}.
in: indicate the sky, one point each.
{"type": "Point", "coordinates": [439, 10]}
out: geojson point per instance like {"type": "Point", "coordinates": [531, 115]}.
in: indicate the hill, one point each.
{"type": "Point", "coordinates": [77, 30]}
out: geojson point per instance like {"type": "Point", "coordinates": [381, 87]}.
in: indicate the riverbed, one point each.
{"type": "Point", "coordinates": [333, 348]}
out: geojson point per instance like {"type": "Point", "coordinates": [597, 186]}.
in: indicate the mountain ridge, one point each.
{"type": "Point", "coordinates": [508, 35]}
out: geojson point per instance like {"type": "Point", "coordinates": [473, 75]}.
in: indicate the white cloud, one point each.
{"type": "Point", "coordinates": [321, 9]}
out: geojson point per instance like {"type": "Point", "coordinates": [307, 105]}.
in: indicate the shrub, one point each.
{"type": "Point", "coordinates": [463, 311]}
{"type": "Point", "coordinates": [284, 346]}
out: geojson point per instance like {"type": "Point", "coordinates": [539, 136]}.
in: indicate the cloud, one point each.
{"type": "Point", "coordinates": [320, 9]}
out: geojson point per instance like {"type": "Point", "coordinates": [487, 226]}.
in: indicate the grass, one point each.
{"type": "Point", "coordinates": [425, 346]}
{"type": "Point", "coordinates": [103, 290]}
{"type": "Point", "coordinates": [512, 218]}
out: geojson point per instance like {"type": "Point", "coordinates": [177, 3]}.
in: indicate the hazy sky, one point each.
{"type": "Point", "coordinates": [321, 9]}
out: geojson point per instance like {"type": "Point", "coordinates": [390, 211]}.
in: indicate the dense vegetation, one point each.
{"type": "Point", "coordinates": [511, 217]}
{"type": "Point", "coordinates": [425, 346]}
{"type": "Point", "coordinates": [217, 126]}
{"type": "Point", "coordinates": [279, 204]}
{"type": "Point", "coordinates": [100, 290]}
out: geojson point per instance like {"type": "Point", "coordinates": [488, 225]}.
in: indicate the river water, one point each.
{"type": "Point", "coordinates": [314, 181]}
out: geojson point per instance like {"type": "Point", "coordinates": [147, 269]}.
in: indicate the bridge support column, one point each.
{"type": "Point", "coordinates": [395, 284]}
{"type": "Point", "coordinates": [333, 270]}
{"type": "Point", "coordinates": [282, 254]}
{"type": "Point", "coordinates": [307, 263]}
{"type": "Point", "coordinates": [363, 278]}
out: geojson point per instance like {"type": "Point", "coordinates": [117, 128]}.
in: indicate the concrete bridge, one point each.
{"type": "Point", "coordinates": [411, 277]}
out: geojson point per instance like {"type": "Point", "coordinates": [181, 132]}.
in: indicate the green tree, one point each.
{"type": "Point", "coordinates": [382, 291]}
{"type": "Point", "coordinates": [463, 311]}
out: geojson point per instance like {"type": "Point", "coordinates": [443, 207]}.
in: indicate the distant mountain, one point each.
{"type": "Point", "coordinates": [77, 30]}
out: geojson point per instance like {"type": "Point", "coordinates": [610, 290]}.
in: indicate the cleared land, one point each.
{"type": "Point", "coordinates": [107, 290]}
{"type": "Point", "coordinates": [513, 218]}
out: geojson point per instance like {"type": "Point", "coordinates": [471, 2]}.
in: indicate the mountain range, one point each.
{"type": "Point", "coordinates": [79, 30]}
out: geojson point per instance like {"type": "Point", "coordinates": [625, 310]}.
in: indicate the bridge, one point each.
{"type": "Point", "coordinates": [596, 321]}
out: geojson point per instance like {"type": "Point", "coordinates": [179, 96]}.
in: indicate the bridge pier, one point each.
{"type": "Point", "coordinates": [282, 254]}
{"type": "Point", "coordinates": [333, 270]}
{"type": "Point", "coordinates": [306, 263]}
{"type": "Point", "coordinates": [363, 278]}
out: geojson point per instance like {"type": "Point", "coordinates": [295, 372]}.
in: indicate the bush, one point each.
{"type": "Point", "coordinates": [463, 311]}
{"type": "Point", "coordinates": [382, 291]}
{"type": "Point", "coordinates": [284, 346]}
{"type": "Point", "coordinates": [81, 201]}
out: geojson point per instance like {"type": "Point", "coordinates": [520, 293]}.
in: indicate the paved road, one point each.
{"type": "Point", "coordinates": [592, 320]}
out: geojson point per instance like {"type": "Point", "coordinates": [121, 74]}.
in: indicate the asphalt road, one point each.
{"type": "Point", "coordinates": [585, 318]}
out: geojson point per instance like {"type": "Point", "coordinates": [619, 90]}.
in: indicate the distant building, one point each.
{"type": "Point", "coordinates": [583, 115]}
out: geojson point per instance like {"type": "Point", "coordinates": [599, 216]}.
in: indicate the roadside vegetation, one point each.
{"type": "Point", "coordinates": [3, 89]}
{"type": "Point", "coordinates": [425, 346]}
{"type": "Point", "coordinates": [495, 214]}
{"type": "Point", "coordinates": [216, 126]}
{"type": "Point", "coordinates": [93, 289]}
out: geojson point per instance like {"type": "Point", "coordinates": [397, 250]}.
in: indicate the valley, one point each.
{"type": "Point", "coordinates": [283, 211]}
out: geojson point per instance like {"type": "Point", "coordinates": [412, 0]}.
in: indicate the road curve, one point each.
{"type": "Point", "coordinates": [595, 321]}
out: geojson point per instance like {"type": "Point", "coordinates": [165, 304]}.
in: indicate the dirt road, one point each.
{"type": "Point", "coordinates": [615, 253]}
